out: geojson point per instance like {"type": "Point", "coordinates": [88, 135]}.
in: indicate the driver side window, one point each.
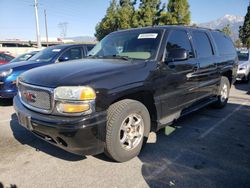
{"type": "Point", "coordinates": [178, 39]}
{"type": "Point", "coordinates": [71, 54]}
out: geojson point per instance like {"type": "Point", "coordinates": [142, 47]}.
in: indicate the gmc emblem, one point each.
{"type": "Point", "coordinates": [29, 96]}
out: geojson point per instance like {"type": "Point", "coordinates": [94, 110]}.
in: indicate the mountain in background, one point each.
{"type": "Point", "coordinates": [85, 39]}
{"type": "Point", "coordinates": [234, 21]}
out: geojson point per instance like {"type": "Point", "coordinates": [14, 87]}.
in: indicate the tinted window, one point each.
{"type": "Point", "coordinates": [73, 53]}
{"type": "Point", "coordinates": [179, 39]}
{"type": "Point", "coordinates": [223, 43]}
{"type": "Point", "coordinates": [243, 55]}
{"type": "Point", "coordinates": [89, 47]}
{"type": "Point", "coordinates": [5, 57]}
{"type": "Point", "coordinates": [202, 44]}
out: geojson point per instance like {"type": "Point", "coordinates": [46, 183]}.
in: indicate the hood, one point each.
{"type": "Point", "coordinates": [21, 65]}
{"type": "Point", "coordinates": [80, 72]}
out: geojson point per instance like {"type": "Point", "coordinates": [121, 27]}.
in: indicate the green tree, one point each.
{"type": "Point", "coordinates": [109, 23]}
{"type": "Point", "coordinates": [227, 30]}
{"type": "Point", "coordinates": [177, 13]}
{"type": "Point", "coordinates": [244, 32]}
{"type": "Point", "coordinates": [238, 43]}
{"type": "Point", "coordinates": [149, 12]}
{"type": "Point", "coordinates": [125, 14]}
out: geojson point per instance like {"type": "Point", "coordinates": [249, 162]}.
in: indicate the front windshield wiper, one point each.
{"type": "Point", "coordinates": [126, 58]}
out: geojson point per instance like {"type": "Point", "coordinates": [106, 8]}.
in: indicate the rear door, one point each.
{"type": "Point", "coordinates": [180, 85]}
{"type": "Point", "coordinates": [207, 73]}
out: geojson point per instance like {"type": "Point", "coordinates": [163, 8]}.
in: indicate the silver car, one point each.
{"type": "Point", "coordinates": [243, 73]}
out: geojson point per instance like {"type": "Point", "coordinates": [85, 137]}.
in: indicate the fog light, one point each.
{"type": "Point", "coordinates": [72, 108]}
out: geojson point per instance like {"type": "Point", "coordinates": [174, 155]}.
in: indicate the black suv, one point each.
{"type": "Point", "coordinates": [133, 82]}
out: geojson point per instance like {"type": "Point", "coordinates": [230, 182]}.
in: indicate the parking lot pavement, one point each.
{"type": "Point", "coordinates": [209, 148]}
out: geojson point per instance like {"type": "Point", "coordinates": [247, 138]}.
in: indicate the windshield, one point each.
{"type": "Point", "coordinates": [46, 55]}
{"type": "Point", "coordinates": [135, 44]}
{"type": "Point", "coordinates": [23, 57]}
{"type": "Point", "coordinates": [243, 55]}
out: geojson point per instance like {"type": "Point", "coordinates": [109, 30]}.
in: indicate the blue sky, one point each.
{"type": "Point", "coordinates": [17, 16]}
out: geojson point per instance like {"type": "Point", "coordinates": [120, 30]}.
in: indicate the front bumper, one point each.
{"type": "Point", "coordinates": [78, 135]}
{"type": "Point", "coordinates": [241, 74]}
{"type": "Point", "coordinates": [7, 90]}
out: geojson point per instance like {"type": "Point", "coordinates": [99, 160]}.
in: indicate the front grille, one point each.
{"type": "Point", "coordinates": [35, 97]}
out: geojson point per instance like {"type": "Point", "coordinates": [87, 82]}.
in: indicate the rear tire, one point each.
{"type": "Point", "coordinates": [128, 123]}
{"type": "Point", "coordinates": [223, 96]}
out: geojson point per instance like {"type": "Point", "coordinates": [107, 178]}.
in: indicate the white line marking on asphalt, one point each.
{"type": "Point", "coordinates": [221, 121]}
{"type": "Point", "coordinates": [6, 120]}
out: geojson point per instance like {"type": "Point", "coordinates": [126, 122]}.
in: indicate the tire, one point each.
{"type": "Point", "coordinates": [223, 95]}
{"type": "Point", "coordinates": [123, 117]}
{"type": "Point", "coordinates": [246, 79]}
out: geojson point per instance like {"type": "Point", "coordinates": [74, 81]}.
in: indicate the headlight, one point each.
{"type": "Point", "coordinates": [74, 100]}
{"type": "Point", "coordinates": [75, 93]}
{"type": "Point", "coordinates": [6, 73]}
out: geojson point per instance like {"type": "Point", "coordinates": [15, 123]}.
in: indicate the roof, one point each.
{"type": "Point", "coordinates": [170, 27]}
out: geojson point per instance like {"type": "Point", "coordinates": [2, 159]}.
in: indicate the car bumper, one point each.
{"type": "Point", "coordinates": [78, 135]}
{"type": "Point", "coordinates": [241, 74]}
{"type": "Point", "coordinates": [7, 90]}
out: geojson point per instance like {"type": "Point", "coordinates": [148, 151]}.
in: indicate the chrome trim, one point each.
{"type": "Point", "coordinates": [50, 90]}
{"type": "Point", "coordinates": [54, 102]}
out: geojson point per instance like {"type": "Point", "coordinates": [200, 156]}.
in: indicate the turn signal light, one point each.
{"type": "Point", "coordinates": [72, 108]}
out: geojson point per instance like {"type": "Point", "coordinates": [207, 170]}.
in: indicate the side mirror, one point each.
{"type": "Point", "coordinates": [63, 58]}
{"type": "Point", "coordinates": [178, 54]}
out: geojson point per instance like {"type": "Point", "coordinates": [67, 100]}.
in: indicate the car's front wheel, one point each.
{"type": "Point", "coordinates": [128, 123]}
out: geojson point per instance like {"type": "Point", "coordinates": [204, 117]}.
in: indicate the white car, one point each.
{"type": "Point", "coordinates": [243, 73]}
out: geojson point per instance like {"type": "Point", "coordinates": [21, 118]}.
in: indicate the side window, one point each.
{"type": "Point", "coordinates": [223, 43]}
{"type": "Point", "coordinates": [89, 47]}
{"type": "Point", "coordinates": [8, 58]}
{"type": "Point", "coordinates": [71, 54]}
{"type": "Point", "coordinates": [1, 57]}
{"type": "Point", "coordinates": [202, 44]}
{"type": "Point", "coordinates": [179, 39]}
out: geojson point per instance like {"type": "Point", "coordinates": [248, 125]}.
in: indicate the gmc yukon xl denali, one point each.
{"type": "Point", "coordinates": [132, 82]}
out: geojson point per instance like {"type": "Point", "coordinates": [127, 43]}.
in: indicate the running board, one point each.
{"type": "Point", "coordinates": [198, 106]}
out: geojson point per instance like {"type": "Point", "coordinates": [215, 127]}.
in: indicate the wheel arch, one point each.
{"type": "Point", "coordinates": [147, 99]}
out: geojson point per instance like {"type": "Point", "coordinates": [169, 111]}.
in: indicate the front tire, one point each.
{"type": "Point", "coordinates": [128, 123]}
{"type": "Point", "coordinates": [223, 96]}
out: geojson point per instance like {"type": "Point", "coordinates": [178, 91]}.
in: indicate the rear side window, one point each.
{"type": "Point", "coordinates": [179, 39]}
{"type": "Point", "coordinates": [223, 43]}
{"type": "Point", "coordinates": [202, 44]}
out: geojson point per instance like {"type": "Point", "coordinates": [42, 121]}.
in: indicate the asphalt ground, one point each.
{"type": "Point", "coordinates": [209, 148]}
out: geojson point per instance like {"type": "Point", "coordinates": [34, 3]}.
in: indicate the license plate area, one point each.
{"type": "Point", "coordinates": [24, 120]}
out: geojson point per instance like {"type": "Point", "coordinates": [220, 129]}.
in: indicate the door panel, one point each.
{"type": "Point", "coordinates": [207, 73]}
{"type": "Point", "coordinates": [179, 82]}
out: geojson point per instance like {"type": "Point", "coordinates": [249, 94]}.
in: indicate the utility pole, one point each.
{"type": "Point", "coordinates": [37, 26]}
{"type": "Point", "coordinates": [46, 27]}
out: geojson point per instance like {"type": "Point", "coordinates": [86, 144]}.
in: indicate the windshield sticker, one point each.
{"type": "Point", "coordinates": [56, 50]}
{"type": "Point", "coordinates": [244, 52]}
{"type": "Point", "coordinates": [148, 36]}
